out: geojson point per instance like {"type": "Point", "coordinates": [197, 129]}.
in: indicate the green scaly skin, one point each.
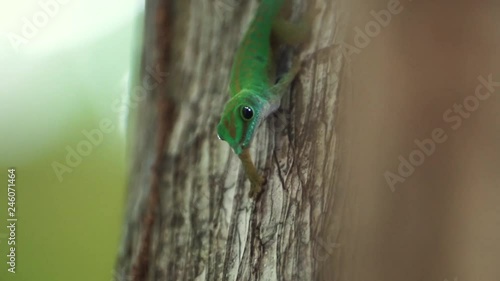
{"type": "Point", "coordinates": [253, 92]}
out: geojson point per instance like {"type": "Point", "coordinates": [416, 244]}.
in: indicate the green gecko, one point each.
{"type": "Point", "coordinates": [254, 93]}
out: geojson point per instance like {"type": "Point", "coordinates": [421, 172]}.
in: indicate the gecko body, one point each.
{"type": "Point", "coordinates": [254, 93]}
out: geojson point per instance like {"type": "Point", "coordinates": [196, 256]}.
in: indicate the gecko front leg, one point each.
{"type": "Point", "coordinates": [256, 180]}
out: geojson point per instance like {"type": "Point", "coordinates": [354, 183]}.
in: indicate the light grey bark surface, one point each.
{"type": "Point", "coordinates": [206, 227]}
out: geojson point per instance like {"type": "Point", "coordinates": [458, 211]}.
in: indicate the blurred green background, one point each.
{"type": "Point", "coordinates": [66, 67]}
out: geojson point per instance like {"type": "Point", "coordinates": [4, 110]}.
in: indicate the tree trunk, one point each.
{"type": "Point", "coordinates": [188, 213]}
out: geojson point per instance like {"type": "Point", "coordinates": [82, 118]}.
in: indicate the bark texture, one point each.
{"type": "Point", "coordinates": [188, 213]}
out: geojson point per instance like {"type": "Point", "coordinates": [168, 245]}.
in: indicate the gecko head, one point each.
{"type": "Point", "coordinates": [242, 114]}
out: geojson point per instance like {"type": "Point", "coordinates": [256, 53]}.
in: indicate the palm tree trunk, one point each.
{"type": "Point", "coordinates": [188, 213]}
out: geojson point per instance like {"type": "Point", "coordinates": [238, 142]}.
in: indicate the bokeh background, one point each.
{"type": "Point", "coordinates": [442, 222]}
{"type": "Point", "coordinates": [70, 71]}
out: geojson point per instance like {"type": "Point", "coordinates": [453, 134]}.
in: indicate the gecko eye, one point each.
{"type": "Point", "coordinates": [246, 113]}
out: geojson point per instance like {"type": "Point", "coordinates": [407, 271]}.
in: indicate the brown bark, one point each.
{"type": "Point", "coordinates": [203, 225]}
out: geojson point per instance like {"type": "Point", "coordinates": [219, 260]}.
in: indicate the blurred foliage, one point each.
{"type": "Point", "coordinates": [69, 226]}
